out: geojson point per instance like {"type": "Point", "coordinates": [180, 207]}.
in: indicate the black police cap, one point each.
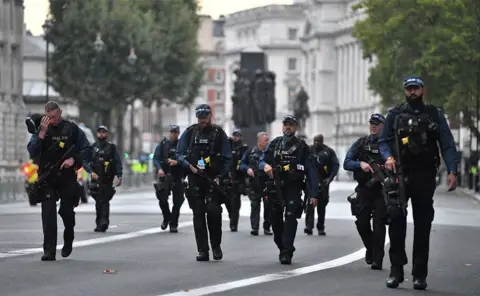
{"type": "Point", "coordinates": [33, 123]}
{"type": "Point", "coordinates": [174, 128]}
{"type": "Point", "coordinates": [290, 118]}
{"type": "Point", "coordinates": [202, 110]}
{"type": "Point", "coordinates": [237, 132]}
{"type": "Point", "coordinates": [102, 127]}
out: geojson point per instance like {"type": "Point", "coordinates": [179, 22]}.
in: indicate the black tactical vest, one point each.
{"type": "Point", "coordinates": [57, 141]}
{"type": "Point", "coordinates": [204, 145]}
{"type": "Point", "coordinates": [367, 151]}
{"type": "Point", "coordinates": [238, 149]}
{"type": "Point", "coordinates": [417, 136]}
{"type": "Point", "coordinates": [103, 162]}
{"type": "Point", "coordinates": [287, 159]}
{"type": "Point", "coordinates": [322, 160]}
{"type": "Point", "coordinates": [169, 151]}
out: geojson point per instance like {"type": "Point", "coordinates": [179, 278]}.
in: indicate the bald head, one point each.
{"type": "Point", "coordinates": [318, 139]}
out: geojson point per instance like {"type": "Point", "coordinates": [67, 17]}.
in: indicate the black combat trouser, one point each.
{"type": "Point", "coordinates": [255, 201]}
{"type": "Point", "coordinates": [284, 231]}
{"type": "Point", "coordinates": [204, 202]}
{"type": "Point", "coordinates": [102, 204]}
{"type": "Point", "coordinates": [67, 191]}
{"type": "Point", "coordinates": [234, 204]}
{"type": "Point", "coordinates": [178, 190]}
{"type": "Point", "coordinates": [420, 187]}
{"type": "Point", "coordinates": [372, 207]}
{"type": "Point", "coordinates": [321, 211]}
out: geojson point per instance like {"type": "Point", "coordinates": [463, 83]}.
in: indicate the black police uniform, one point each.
{"type": "Point", "coordinates": [419, 127]}
{"type": "Point", "coordinates": [61, 184]}
{"type": "Point", "coordinates": [107, 164]}
{"type": "Point", "coordinates": [173, 181]}
{"type": "Point", "coordinates": [256, 193]}
{"type": "Point", "coordinates": [369, 203]}
{"type": "Point", "coordinates": [210, 150]}
{"type": "Point", "coordinates": [326, 163]}
{"type": "Point", "coordinates": [238, 179]}
{"type": "Point", "coordinates": [290, 161]}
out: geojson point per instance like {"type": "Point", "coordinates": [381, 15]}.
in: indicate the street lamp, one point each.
{"type": "Point", "coordinates": [47, 26]}
{"type": "Point", "coordinates": [98, 45]}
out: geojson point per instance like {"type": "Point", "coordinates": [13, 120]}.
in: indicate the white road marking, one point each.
{"type": "Point", "coordinates": [96, 241]}
{"type": "Point", "coordinates": [347, 259]}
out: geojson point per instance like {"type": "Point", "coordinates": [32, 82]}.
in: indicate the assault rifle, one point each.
{"type": "Point", "coordinates": [212, 183]}
{"type": "Point", "coordinates": [162, 187]}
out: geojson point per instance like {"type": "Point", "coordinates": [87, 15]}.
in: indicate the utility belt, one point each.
{"type": "Point", "coordinates": [163, 187]}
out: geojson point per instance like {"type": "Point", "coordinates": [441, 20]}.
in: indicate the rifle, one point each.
{"type": "Point", "coordinates": [277, 183]}
{"type": "Point", "coordinates": [212, 183]}
{"type": "Point", "coordinates": [33, 190]}
{"type": "Point", "coordinates": [162, 187]}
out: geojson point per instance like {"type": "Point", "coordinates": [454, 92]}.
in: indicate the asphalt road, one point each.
{"type": "Point", "coordinates": [147, 261]}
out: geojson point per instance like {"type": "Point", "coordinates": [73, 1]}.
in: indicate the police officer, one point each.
{"type": "Point", "coordinates": [171, 175]}
{"type": "Point", "coordinates": [326, 163]}
{"type": "Point", "coordinates": [256, 184]}
{"type": "Point", "coordinates": [286, 160]}
{"type": "Point", "coordinates": [410, 135]}
{"type": "Point", "coordinates": [50, 146]}
{"type": "Point", "coordinates": [204, 149]}
{"type": "Point", "coordinates": [239, 147]}
{"type": "Point", "coordinates": [369, 203]}
{"type": "Point", "coordinates": [106, 164]}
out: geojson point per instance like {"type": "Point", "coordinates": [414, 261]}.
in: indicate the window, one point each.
{"type": "Point", "coordinates": [219, 96]}
{"type": "Point", "coordinates": [292, 34]}
{"type": "Point", "coordinates": [292, 64]}
{"type": "Point", "coordinates": [219, 76]}
{"type": "Point", "coordinates": [291, 97]}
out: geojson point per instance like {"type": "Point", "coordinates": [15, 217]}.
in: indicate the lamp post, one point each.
{"type": "Point", "coordinates": [132, 59]}
{"type": "Point", "coordinates": [47, 26]}
{"type": "Point", "coordinates": [337, 132]}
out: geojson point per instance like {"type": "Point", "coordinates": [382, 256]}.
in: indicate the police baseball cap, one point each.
{"type": "Point", "coordinates": [415, 81]}
{"type": "Point", "coordinates": [102, 127]}
{"type": "Point", "coordinates": [290, 118]}
{"type": "Point", "coordinates": [237, 132]}
{"type": "Point", "coordinates": [33, 122]}
{"type": "Point", "coordinates": [202, 110]}
{"type": "Point", "coordinates": [174, 128]}
{"type": "Point", "coordinates": [377, 118]}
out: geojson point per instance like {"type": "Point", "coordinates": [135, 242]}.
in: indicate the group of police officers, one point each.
{"type": "Point", "coordinates": [396, 162]}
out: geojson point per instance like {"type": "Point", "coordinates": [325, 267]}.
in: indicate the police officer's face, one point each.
{"type": "Point", "coordinates": [289, 128]}
{"type": "Point", "coordinates": [375, 128]}
{"type": "Point", "coordinates": [203, 121]}
{"type": "Point", "coordinates": [413, 92]}
{"type": "Point", "coordinates": [174, 135]}
{"type": "Point", "coordinates": [55, 116]}
{"type": "Point", "coordinates": [102, 134]}
{"type": "Point", "coordinates": [236, 138]}
{"type": "Point", "coordinates": [263, 142]}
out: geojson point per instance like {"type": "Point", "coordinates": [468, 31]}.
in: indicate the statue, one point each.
{"type": "Point", "coordinates": [270, 105]}
{"type": "Point", "coordinates": [240, 98]}
{"type": "Point", "coordinates": [300, 109]}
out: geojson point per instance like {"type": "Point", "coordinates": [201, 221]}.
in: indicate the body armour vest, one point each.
{"type": "Point", "coordinates": [418, 133]}
{"type": "Point", "coordinates": [321, 159]}
{"type": "Point", "coordinates": [367, 151]}
{"type": "Point", "coordinates": [287, 160]}
{"type": "Point", "coordinates": [57, 141]}
{"type": "Point", "coordinates": [203, 148]}
{"type": "Point", "coordinates": [169, 150]}
{"type": "Point", "coordinates": [103, 163]}
{"type": "Point", "coordinates": [238, 149]}
{"type": "Point", "coordinates": [254, 159]}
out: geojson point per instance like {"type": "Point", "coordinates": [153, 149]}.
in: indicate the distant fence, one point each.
{"type": "Point", "coordinates": [13, 189]}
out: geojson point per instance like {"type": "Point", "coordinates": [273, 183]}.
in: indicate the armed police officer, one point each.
{"type": "Point", "coordinates": [408, 142]}
{"type": "Point", "coordinates": [60, 146]}
{"type": "Point", "coordinates": [369, 203]}
{"type": "Point", "coordinates": [326, 163]}
{"type": "Point", "coordinates": [106, 165]}
{"type": "Point", "coordinates": [256, 184]}
{"type": "Point", "coordinates": [238, 178]}
{"type": "Point", "coordinates": [204, 149]}
{"type": "Point", "coordinates": [171, 176]}
{"type": "Point", "coordinates": [286, 160]}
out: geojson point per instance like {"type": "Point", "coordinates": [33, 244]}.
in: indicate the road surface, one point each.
{"type": "Point", "coordinates": [149, 262]}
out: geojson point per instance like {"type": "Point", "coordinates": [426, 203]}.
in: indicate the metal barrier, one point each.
{"type": "Point", "coordinates": [12, 189]}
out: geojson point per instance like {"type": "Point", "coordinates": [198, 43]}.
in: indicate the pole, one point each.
{"type": "Point", "coordinates": [337, 133]}
{"type": "Point", "coordinates": [47, 61]}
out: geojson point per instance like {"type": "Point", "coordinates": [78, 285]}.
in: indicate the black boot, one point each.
{"type": "Point", "coordinates": [164, 224]}
{"type": "Point", "coordinates": [267, 231]}
{"type": "Point", "coordinates": [217, 253]}
{"type": "Point", "coordinates": [396, 277]}
{"type": "Point", "coordinates": [369, 256]}
{"type": "Point", "coordinates": [67, 249]}
{"type": "Point", "coordinates": [308, 231]}
{"type": "Point", "coordinates": [254, 232]}
{"type": "Point", "coordinates": [285, 258]}
{"type": "Point", "coordinates": [419, 284]}
{"type": "Point", "coordinates": [203, 256]}
{"type": "Point", "coordinates": [48, 257]}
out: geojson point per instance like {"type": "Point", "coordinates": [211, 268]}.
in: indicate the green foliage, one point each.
{"type": "Point", "coordinates": [436, 39]}
{"type": "Point", "coordinates": [162, 33]}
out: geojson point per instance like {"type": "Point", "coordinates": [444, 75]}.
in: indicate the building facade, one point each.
{"type": "Point", "coordinates": [335, 74]}
{"type": "Point", "coordinates": [12, 109]}
{"type": "Point", "coordinates": [274, 30]}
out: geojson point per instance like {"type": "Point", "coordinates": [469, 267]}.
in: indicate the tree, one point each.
{"type": "Point", "coordinates": [432, 38]}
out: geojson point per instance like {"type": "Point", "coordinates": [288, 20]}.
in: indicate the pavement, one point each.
{"type": "Point", "coordinates": [143, 260]}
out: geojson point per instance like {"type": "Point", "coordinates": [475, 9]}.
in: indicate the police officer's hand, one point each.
{"type": "Point", "coordinates": [250, 172]}
{"type": "Point", "coordinates": [68, 163]}
{"type": "Point", "coordinates": [390, 164]}
{"type": "Point", "coordinates": [44, 123]}
{"type": "Point", "coordinates": [118, 182]}
{"type": "Point", "coordinates": [268, 170]}
{"type": "Point", "coordinates": [194, 169]}
{"type": "Point", "coordinates": [161, 173]}
{"type": "Point", "coordinates": [326, 182]}
{"type": "Point", "coordinates": [451, 182]}
{"type": "Point", "coordinates": [366, 167]}
{"type": "Point", "coordinates": [172, 162]}
{"type": "Point", "coordinates": [94, 176]}
{"type": "Point", "coordinates": [314, 201]}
